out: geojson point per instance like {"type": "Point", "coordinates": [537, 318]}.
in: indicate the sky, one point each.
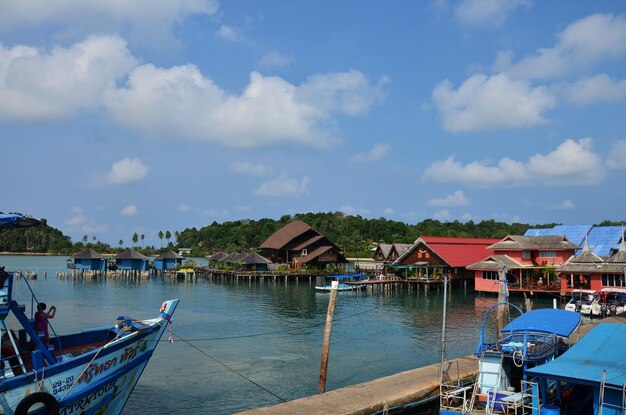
{"type": "Point", "coordinates": [119, 117]}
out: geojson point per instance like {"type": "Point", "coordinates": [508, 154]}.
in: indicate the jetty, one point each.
{"type": "Point", "coordinates": [402, 390]}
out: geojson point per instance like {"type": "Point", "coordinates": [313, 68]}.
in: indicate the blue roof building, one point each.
{"type": "Point", "coordinates": [130, 260]}
{"type": "Point", "coordinates": [168, 260]}
{"type": "Point", "coordinates": [90, 260]}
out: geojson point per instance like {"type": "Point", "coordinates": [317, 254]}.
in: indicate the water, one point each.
{"type": "Point", "coordinates": [268, 333]}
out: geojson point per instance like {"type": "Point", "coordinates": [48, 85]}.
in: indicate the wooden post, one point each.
{"type": "Point", "coordinates": [502, 298]}
{"type": "Point", "coordinates": [327, 332]}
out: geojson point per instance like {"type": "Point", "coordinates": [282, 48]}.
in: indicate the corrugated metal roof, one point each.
{"type": "Point", "coordinates": [534, 242]}
{"type": "Point", "coordinates": [603, 238]}
{"type": "Point", "coordinates": [456, 252]}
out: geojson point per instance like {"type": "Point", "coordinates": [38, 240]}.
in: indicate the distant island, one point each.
{"type": "Point", "coordinates": [355, 235]}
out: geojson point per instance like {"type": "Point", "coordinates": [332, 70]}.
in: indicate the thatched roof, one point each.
{"type": "Point", "coordinates": [254, 259]}
{"type": "Point", "coordinates": [494, 262]}
{"type": "Point", "coordinates": [169, 255]}
{"type": "Point", "coordinates": [319, 251]}
{"type": "Point", "coordinates": [556, 242]}
{"type": "Point", "coordinates": [88, 254]}
{"type": "Point", "coordinates": [218, 256]}
{"type": "Point", "coordinates": [235, 257]}
{"type": "Point", "coordinates": [385, 249]}
{"type": "Point", "coordinates": [130, 254]}
{"type": "Point", "coordinates": [284, 235]}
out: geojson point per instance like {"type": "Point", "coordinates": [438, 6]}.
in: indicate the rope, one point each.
{"type": "Point", "coordinates": [229, 368]}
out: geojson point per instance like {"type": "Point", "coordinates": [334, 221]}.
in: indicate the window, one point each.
{"type": "Point", "coordinates": [547, 254]}
{"type": "Point", "coordinates": [613, 280]}
{"type": "Point", "coordinates": [526, 254]}
{"type": "Point", "coordinates": [304, 252]}
{"type": "Point", "coordinates": [490, 275]}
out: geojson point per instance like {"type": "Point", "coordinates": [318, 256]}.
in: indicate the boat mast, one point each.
{"type": "Point", "coordinates": [443, 326]}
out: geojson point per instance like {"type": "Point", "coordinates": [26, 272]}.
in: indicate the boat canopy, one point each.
{"type": "Point", "coordinates": [545, 320]}
{"type": "Point", "coordinates": [344, 276]}
{"type": "Point", "coordinates": [599, 350]}
{"type": "Point", "coordinates": [16, 220]}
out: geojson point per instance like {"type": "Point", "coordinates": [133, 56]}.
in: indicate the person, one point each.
{"type": "Point", "coordinates": [41, 320]}
{"type": "Point", "coordinates": [603, 297]}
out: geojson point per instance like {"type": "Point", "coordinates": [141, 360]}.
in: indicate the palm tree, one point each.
{"type": "Point", "coordinates": [168, 235]}
{"type": "Point", "coordinates": [142, 238]}
{"type": "Point", "coordinates": [161, 238]}
{"type": "Point", "coordinates": [120, 242]}
{"type": "Point", "coordinates": [135, 238]}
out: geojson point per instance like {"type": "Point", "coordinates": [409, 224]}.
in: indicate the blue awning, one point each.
{"type": "Point", "coordinates": [16, 220]}
{"type": "Point", "coordinates": [600, 349]}
{"type": "Point", "coordinates": [344, 276]}
{"type": "Point", "coordinates": [545, 320]}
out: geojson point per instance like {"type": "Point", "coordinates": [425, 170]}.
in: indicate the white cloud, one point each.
{"type": "Point", "coordinates": [274, 59]}
{"type": "Point", "coordinates": [351, 210]}
{"type": "Point", "coordinates": [571, 163]}
{"type": "Point", "coordinates": [486, 12]}
{"type": "Point", "coordinates": [597, 88]}
{"type": "Point", "coordinates": [389, 211]}
{"type": "Point", "coordinates": [567, 204]}
{"type": "Point", "coordinates": [617, 156]}
{"type": "Point", "coordinates": [183, 207]}
{"type": "Point", "coordinates": [283, 186]}
{"type": "Point", "coordinates": [229, 33]}
{"type": "Point", "coordinates": [130, 210]}
{"type": "Point", "coordinates": [126, 171]}
{"type": "Point", "coordinates": [146, 20]}
{"type": "Point", "coordinates": [582, 45]}
{"type": "Point", "coordinates": [250, 169]}
{"type": "Point", "coordinates": [494, 102]}
{"type": "Point", "coordinates": [76, 220]}
{"type": "Point", "coordinates": [457, 198]}
{"type": "Point", "coordinates": [36, 85]}
{"type": "Point", "coordinates": [441, 215]}
{"type": "Point", "coordinates": [181, 103]}
{"type": "Point", "coordinates": [375, 153]}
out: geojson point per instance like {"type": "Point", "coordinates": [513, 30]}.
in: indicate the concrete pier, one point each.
{"type": "Point", "coordinates": [391, 391]}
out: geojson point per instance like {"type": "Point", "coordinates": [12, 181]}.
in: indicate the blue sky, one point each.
{"type": "Point", "coordinates": [119, 117]}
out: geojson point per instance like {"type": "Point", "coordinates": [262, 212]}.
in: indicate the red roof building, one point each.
{"type": "Point", "coordinates": [435, 254]}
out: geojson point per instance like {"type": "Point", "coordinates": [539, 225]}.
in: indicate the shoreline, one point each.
{"type": "Point", "coordinates": [32, 253]}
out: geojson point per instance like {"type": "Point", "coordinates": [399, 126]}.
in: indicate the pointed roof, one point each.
{"type": "Point", "coordinates": [556, 242]}
{"type": "Point", "coordinates": [88, 254]}
{"type": "Point", "coordinates": [494, 262]}
{"type": "Point", "coordinates": [131, 254]}
{"type": "Point", "coordinates": [218, 256]}
{"type": "Point", "coordinates": [456, 252]}
{"type": "Point", "coordinates": [254, 258]}
{"type": "Point", "coordinates": [169, 255]}
{"type": "Point", "coordinates": [385, 249]}
{"type": "Point", "coordinates": [319, 251]}
{"type": "Point", "coordinates": [284, 235]}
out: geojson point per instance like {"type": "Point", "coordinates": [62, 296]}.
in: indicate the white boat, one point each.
{"type": "Point", "coordinates": [615, 302]}
{"type": "Point", "coordinates": [346, 282]}
{"type": "Point", "coordinates": [582, 301]}
{"type": "Point", "coordinates": [92, 371]}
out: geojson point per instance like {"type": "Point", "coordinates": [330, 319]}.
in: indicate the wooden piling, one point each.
{"type": "Point", "coordinates": [327, 332]}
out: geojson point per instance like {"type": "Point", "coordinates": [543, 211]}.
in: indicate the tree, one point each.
{"type": "Point", "coordinates": [120, 242]}
{"type": "Point", "coordinates": [142, 238]}
{"type": "Point", "coordinates": [85, 238]}
{"type": "Point", "coordinates": [135, 238]}
{"type": "Point", "coordinates": [168, 235]}
{"type": "Point", "coordinates": [161, 238]}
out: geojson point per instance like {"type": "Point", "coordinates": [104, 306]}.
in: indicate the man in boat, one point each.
{"type": "Point", "coordinates": [41, 320]}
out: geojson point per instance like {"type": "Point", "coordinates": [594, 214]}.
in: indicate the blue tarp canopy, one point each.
{"type": "Point", "coordinates": [344, 276]}
{"type": "Point", "coordinates": [545, 320]}
{"type": "Point", "coordinates": [16, 220]}
{"type": "Point", "coordinates": [600, 349]}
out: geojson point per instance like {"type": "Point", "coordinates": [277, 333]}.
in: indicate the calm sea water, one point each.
{"type": "Point", "coordinates": [268, 333]}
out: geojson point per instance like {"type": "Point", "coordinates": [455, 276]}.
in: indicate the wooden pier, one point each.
{"type": "Point", "coordinates": [393, 391]}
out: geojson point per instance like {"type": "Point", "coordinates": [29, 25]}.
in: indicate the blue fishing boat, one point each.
{"type": "Point", "coordinates": [346, 282]}
{"type": "Point", "coordinates": [589, 378]}
{"type": "Point", "coordinates": [92, 371]}
{"type": "Point", "coordinates": [531, 339]}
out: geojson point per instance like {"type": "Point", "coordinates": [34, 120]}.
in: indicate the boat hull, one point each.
{"type": "Point", "coordinates": [99, 382]}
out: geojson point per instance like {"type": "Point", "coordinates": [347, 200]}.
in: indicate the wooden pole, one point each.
{"type": "Point", "coordinates": [327, 332]}
{"type": "Point", "coordinates": [502, 298]}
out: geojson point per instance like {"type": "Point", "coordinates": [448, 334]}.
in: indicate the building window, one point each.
{"type": "Point", "coordinates": [613, 280]}
{"type": "Point", "coordinates": [304, 252]}
{"type": "Point", "coordinates": [547, 254]}
{"type": "Point", "coordinates": [526, 254]}
{"type": "Point", "coordinates": [490, 275]}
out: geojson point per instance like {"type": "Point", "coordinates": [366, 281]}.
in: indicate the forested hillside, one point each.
{"type": "Point", "coordinates": [41, 238]}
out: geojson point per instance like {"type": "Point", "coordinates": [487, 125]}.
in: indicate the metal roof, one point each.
{"type": "Point", "coordinates": [516, 242]}
{"type": "Point", "coordinates": [456, 252]}
{"type": "Point", "coordinates": [575, 233]}
{"type": "Point", "coordinates": [599, 350]}
{"type": "Point", "coordinates": [603, 238]}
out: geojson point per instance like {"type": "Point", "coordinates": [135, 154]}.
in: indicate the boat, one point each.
{"type": "Point", "coordinates": [346, 282]}
{"type": "Point", "coordinates": [589, 378]}
{"type": "Point", "coordinates": [615, 302]}
{"type": "Point", "coordinates": [582, 301]}
{"type": "Point", "coordinates": [531, 339]}
{"type": "Point", "coordinates": [92, 371]}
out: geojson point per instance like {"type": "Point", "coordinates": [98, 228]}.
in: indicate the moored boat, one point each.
{"type": "Point", "coordinates": [614, 302]}
{"type": "Point", "coordinates": [582, 301]}
{"type": "Point", "coordinates": [346, 282]}
{"type": "Point", "coordinates": [91, 371]}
